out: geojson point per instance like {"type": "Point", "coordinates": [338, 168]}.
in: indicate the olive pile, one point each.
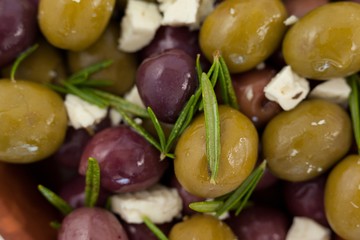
{"type": "Point", "coordinates": [312, 161]}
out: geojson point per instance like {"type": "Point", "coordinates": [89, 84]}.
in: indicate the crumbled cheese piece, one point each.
{"type": "Point", "coordinates": [261, 66]}
{"type": "Point", "coordinates": [335, 90]}
{"type": "Point", "coordinates": [139, 25]}
{"type": "Point", "coordinates": [179, 12]}
{"type": "Point", "coordinates": [306, 228]}
{"type": "Point", "coordinates": [159, 203]}
{"type": "Point", "coordinates": [134, 97]}
{"type": "Point", "coordinates": [205, 8]}
{"type": "Point", "coordinates": [287, 89]}
{"type": "Point", "coordinates": [81, 113]}
{"type": "Point", "coordinates": [115, 117]}
{"type": "Point", "coordinates": [1, 238]}
{"type": "Point", "coordinates": [291, 20]}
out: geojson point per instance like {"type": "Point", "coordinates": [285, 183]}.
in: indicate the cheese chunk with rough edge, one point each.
{"type": "Point", "coordinates": [159, 203]}
{"type": "Point", "coordinates": [139, 25]}
{"type": "Point", "coordinates": [306, 228]}
{"type": "Point", "coordinates": [287, 89]}
{"type": "Point", "coordinates": [81, 113]}
{"type": "Point", "coordinates": [179, 12]}
{"type": "Point", "coordinates": [335, 90]}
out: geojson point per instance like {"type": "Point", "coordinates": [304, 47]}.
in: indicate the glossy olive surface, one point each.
{"type": "Point", "coordinates": [342, 198]}
{"type": "Point", "coordinates": [303, 143]}
{"type": "Point", "coordinates": [74, 25]}
{"type": "Point", "coordinates": [325, 43]}
{"type": "Point", "coordinates": [248, 32]}
{"type": "Point", "coordinates": [201, 227]}
{"type": "Point", "coordinates": [121, 73]}
{"type": "Point", "coordinates": [45, 65]}
{"type": "Point", "coordinates": [33, 121]}
{"type": "Point", "coordinates": [239, 147]}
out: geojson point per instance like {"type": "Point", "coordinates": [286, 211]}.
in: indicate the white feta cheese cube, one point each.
{"type": "Point", "coordinates": [139, 25]}
{"type": "Point", "coordinates": [179, 12]}
{"type": "Point", "coordinates": [335, 90]}
{"type": "Point", "coordinates": [306, 228]}
{"type": "Point", "coordinates": [287, 89]}
{"type": "Point", "coordinates": [115, 117]}
{"type": "Point", "coordinates": [205, 8]}
{"type": "Point", "coordinates": [81, 113]}
{"type": "Point", "coordinates": [159, 203]}
{"type": "Point", "coordinates": [134, 97]}
{"type": "Point", "coordinates": [291, 20]}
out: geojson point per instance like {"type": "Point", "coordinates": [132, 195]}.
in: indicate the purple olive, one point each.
{"type": "Point", "coordinates": [165, 82]}
{"type": "Point", "coordinates": [18, 28]}
{"type": "Point", "coordinates": [168, 37]}
{"type": "Point", "coordinates": [127, 161]}
{"type": "Point", "coordinates": [258, 223]}
{"type": "Point", "coordinates": [307, 199]}
{"type": "Point", "coordinates": [91, 223]}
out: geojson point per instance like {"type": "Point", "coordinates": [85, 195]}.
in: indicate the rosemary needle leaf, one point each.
{"type": "Point", "coordinates": [354, 104]}
{"type": "Point", "coordinates": [206, 206]}
{"type": "Point", "coordinates": [226, 85]}
{"type": "Point", "coordinates": [55, 200]}
{"type": "Point", "coordinates": [118, 102]}
{"type": "Point", "coordinates": [242, 190]}
{"type": "Point", "coordinates": [92, 187]}
{"type": "Point", "coordinates": [154, 229]}
{"type": "Point", "coordinates": [158, 129]}
{"type": "Point", "coordinates": [22, 56]}
{"type": "Point", "coordinates": [139, 129]}
{"type": "Point", "coordinates": [55, 225]}
{"type": "Point", "coordinates": [198, 67]}
{"type": "Point", "coordinates": [212, 126]}
{"type": "Point", "coordinates": [86, 72]}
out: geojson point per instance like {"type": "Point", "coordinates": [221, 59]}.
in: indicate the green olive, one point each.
{"type": "Point", "coordinates": [74, 25]}
{"type": "Point", "coordinates": [325, 43]}
{"type": "Point", "coordinates": [33, 121]}
{"type": "Point", "coordinates": [303, 143]}
{"type": "Point", "coordinates": [342, 198]}
{"type": "Point", "coordinates": [121, 73]}
{"type": "Point", "coordinates": [245, 31]}
{"type": "Point", "coordinates": [201, 227]}
{"type": "Point", "coordinates": [239, 148]}
{"type": "Point", "coordinates": [45, 65]}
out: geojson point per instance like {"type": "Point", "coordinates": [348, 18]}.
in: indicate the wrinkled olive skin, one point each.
{"type": "Point", "coordinates": [324, 43]}
{"type": "Point", "coordinates": [121, 73]}
{"type": "Point", "coordinates": [74, 25]}
{"type": "Point", "coordinates": [303, 143]}
{"type": "Point", "coordinates": [245, 31]}
{"type": "Point", "coordinates": [45, 65]}
{"type": "Point", "coordinates": [33, 121]}
{"type": "Point", "coordinates": [201, 227]}
{"type": "Point", "coordinates": [239, 147]}
{"type": "Point", "coordinates": [342, 198]}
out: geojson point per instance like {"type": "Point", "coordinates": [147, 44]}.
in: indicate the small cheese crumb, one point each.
{"type": "Point", "coordinates": [139, 25]}
{"type": "Point", "coordinates": [159, 203]}
{"type": "Point", "coordinates": [81, 113]}
{"type": "Point", "coordinates": [205, 8]}
{"type": "Point", "coordinates": [306, 228]}
{"type": "Point", "coordinates": [179, 12]}
{"type": "Point", "coordinates": [287, 89]}
{"type": "Point", "coordinates": [291, 20]}
{"type": "Point", "coordinates": [335, 90]}
{"type": "Point", "coordinates": [134, 97]}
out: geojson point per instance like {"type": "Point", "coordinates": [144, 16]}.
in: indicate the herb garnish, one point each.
{"type": "Point", "coordinates": [92, 186]}
{"type": "Point", "coordinates": [235, 200]}
{"type": "Point", "coordinates": [55, 200]}
{"type": "Point", "coordinates": [154, 229]}
{"type": "Point", "coordinates": [354, 104]}
{"type": "Point", "coordinates": [19, 59]}
{"type": "Point", "coordinates": [212, 127]}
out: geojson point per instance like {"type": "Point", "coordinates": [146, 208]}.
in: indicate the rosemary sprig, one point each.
{"type": "Point", "coordinates": [154, 229]}
{"type": "Point", "coordinates": [21, 58]}
{"type": "Point", "coordinates": [159, 130]}
{"type": "Point", "coordinates": [227, 90]}
{"type": "Point", "coordinates": [234, 201]}
{"type": "Point", "coordinates": [83, 75]}
{"type": "Point", "coordinates": [354, 105]}
{"type": "Point", "coordinates": [212, 126]}
{"type": "Point", "coordinates": [92, 180]}
{"type": "Point", "coordinates": [55, 200]}
{"type": "Point", "coordinates": [55, 225]}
